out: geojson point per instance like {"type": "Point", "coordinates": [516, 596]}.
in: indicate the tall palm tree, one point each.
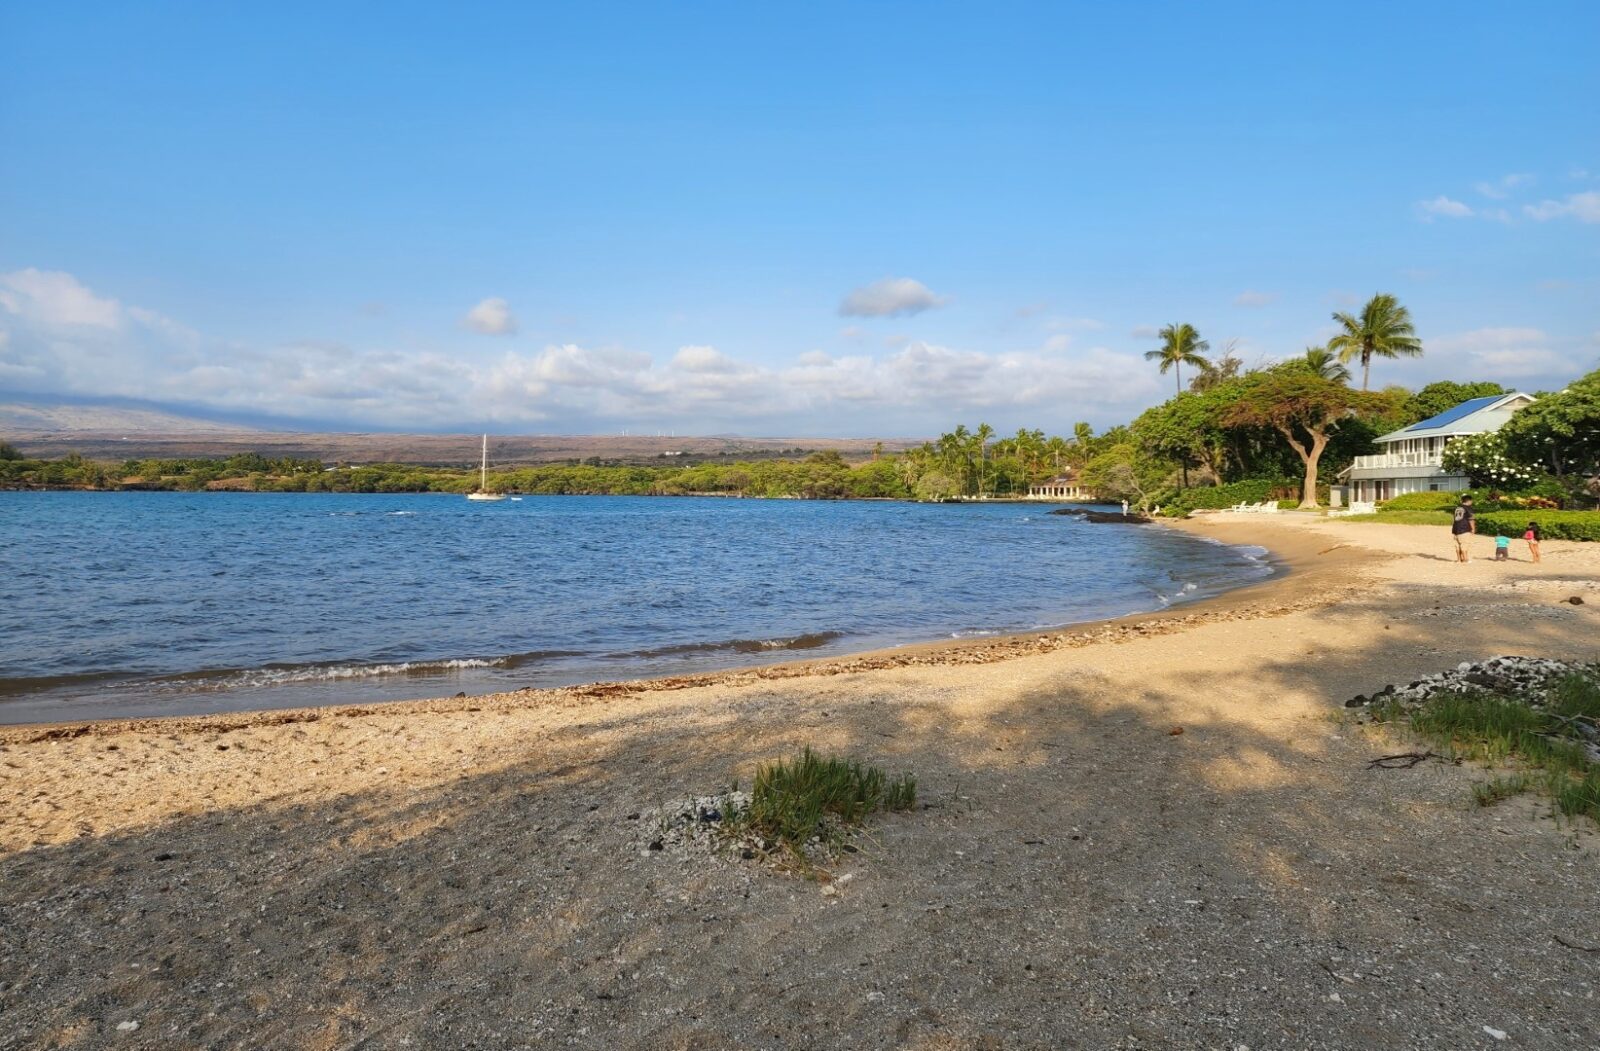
{"type": "Point", "coordinates": [1325, 363]}
{"type": "Point", "coordinates": [983, 434]}
{"type": "Point", "coordinates": [1383, 330]}
{"type": "Point", "coordinates": [1180, 345]}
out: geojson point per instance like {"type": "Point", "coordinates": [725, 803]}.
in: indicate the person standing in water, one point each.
{"type": "Point", "coordinates": [1463, 526]}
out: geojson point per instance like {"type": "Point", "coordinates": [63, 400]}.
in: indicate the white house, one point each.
{"type": "Point", "coordinates": [1064, 486]}
{"type": "Point", "coordinates": [1410, 460]}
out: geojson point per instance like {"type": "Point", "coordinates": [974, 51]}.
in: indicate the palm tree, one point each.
{"type": "Point", "coordinates": [983, 434]}
{"type": "Point", "coordinates": [1383, 330]}
{"type": "Point", "coordinates": [1180, 345]}
{"type": "Point", "coordinates": [1325, 363]}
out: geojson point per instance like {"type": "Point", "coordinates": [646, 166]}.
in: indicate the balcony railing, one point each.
{"type": "Point", "coordinates": [1383, 460]}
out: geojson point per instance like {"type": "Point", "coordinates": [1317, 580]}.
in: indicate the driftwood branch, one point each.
{"type": "Point", "coordinates": [1402, 760]}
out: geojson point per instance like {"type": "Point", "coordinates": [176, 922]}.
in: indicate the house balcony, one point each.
{"type": "Point", "coordinates": [1386, 461]}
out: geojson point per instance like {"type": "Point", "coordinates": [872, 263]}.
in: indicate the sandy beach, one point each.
{"type": "Point", "coordinates": [1080, 873]}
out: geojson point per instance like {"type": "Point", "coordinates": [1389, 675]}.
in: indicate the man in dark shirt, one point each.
{"type": "Point", "coordinates": [1464, 525]}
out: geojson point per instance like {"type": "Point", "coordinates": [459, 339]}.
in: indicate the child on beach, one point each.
{"type": "Point", "coordinates": [1532, 537]}
{"type": "Point", "coordinates": [1502, 549]}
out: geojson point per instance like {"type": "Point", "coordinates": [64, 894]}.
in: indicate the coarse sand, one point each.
{"type": "Point", "coordinates": [1079, 873]}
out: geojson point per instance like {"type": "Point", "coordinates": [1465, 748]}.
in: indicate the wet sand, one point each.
{"type": "Point", "coordinates": [470, 872]}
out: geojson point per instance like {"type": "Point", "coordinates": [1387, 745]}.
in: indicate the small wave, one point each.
{"type": "Point", "coordinates": [975, 633]}
{"type": "Point", "coordinates": [1189, 588]}
{"type": "Point", "coordinates": [399, 512]}
{"type": "Point", "coordinates": [261, 677]}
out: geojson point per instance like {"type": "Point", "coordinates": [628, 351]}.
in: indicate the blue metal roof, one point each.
{"type": "Point", "coordinates": [1449, 416]}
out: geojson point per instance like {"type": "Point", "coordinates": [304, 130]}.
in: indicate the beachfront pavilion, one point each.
{"type": "Point", "coordinates": [1411, 459]}
{"type": "Point", "coordinates": [1064, 486]}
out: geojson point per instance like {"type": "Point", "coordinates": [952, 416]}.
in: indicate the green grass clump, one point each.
{"type": "Point", "coordinates": [1488, 793]}
{"type": "Point", "coordinates": [1548, 744]}
{"type": "Point", "coordinates": [793, 800]}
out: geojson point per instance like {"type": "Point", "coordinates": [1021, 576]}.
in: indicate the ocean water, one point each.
{"type": "Point", "coordinates": [138, 604]}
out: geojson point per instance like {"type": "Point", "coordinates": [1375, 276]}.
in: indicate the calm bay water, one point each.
{"type": "Point", "coordinates": [134, 604]}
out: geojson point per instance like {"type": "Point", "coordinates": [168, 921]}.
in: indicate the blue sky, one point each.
{"type": "Point", "coordinates": [862, 219]}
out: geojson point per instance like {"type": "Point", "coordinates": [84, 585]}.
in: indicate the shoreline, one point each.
{"type": "Point", "coordinates": [1289, 561]}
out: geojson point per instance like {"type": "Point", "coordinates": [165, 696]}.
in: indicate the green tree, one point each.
{"type": "Point", "coordinates": [1561, 433]}
{"type": "Point", "coordinates": [1305, 408]}
{"type": "Point", "coordinates": [1180, 345]}
{"type": "Point", "coordinates": [1123, 471]}
{"type": "Point", "coordinates": [9, 452]}
{"type": "Point", "coordinates": [982, 436]}
{"type": "Point", "coordinates": [1437, 397]}
{"type": "Point", "coordinates": [1326, 363]}
{"type": "Point", "coordinates": [1188, 429]}
{"type": "Point", "coordinates": [1383, 330]}
{"type": "Point", "coordinates": [1215, 373]}
{"type": "Point", "coordinates": [935, 486]}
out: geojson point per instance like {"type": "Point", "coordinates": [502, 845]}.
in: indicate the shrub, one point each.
{"type": "Point", "coordinates": [1431, 501]}
{"type": "Point", "coordinates": [791, 799]}
{"type": "Point", "coordinates": [1484, 459]}
{"type": "Point", "coordinates": [1553, 525]}
{"type": "Point", "coordinates": [1216, 497]}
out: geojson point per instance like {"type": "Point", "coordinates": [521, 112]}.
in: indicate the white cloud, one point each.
{"type": "Point", "coordinates": [1443, 206]}
{"type": "Point", "coordinates": [929, 376]}
{"type": "Point", "coordinates": [1584, 207]}
{"type": "Point", "coordinates": [1508, 353]}
{"type": "Point", "coordinates": [704, 360]}
{"type": "Point", "coordinates": [1058, 342]}
{"type": "Point", "coordinates": [492, 317]}
{"type": "Point", "coordinates": [890, 297]}
{"type": "Point", "coordinates": [1252, 298]}
{"type": "Point", "coordinates": [1501, 189]}
{"type": "Point", "coordinates": [1075, 324]}
{"type": "Point", "coordinates": [56, 299]}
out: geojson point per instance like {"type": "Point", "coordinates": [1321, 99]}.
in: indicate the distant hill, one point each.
{"type": "Point", "coordinates": [20, 419]}
{"type": "Point", "coordinates": [102, 432]}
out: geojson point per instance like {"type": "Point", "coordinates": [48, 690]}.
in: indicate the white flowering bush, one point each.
{"type": "Point", "coordinates": [1483, 458]}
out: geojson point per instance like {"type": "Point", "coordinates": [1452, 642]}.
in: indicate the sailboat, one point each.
{"type": "Point", "coordinates": [482, 492]}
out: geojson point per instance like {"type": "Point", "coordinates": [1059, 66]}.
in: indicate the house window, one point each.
{"type": "Point", "coordinates": [1433, 487]}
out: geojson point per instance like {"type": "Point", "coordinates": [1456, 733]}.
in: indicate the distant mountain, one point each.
{"type": "Point", "coordinates": [20, 418]}
{"type": "Point", "coordinates": [119, 432]}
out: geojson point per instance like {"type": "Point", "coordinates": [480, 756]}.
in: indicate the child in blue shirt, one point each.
{"type": "Point", "coordinates": [1502, 548]}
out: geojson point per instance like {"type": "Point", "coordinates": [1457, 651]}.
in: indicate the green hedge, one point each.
{"type": "Point", "coordinates": [1553, 525]}
{"type": "Point", "coordinates": [1431, 501]}
{"type": "Point", "coordinates": [1217, 497]}
{"type": "Point", "coordinates": [1484, 499]}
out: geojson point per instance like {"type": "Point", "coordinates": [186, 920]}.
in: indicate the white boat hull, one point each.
{"type": "Point", "coordinates": [486, 496]}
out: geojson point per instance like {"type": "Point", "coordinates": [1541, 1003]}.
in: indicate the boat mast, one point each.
{"type": "Point", "coordinates": [483, 469]}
